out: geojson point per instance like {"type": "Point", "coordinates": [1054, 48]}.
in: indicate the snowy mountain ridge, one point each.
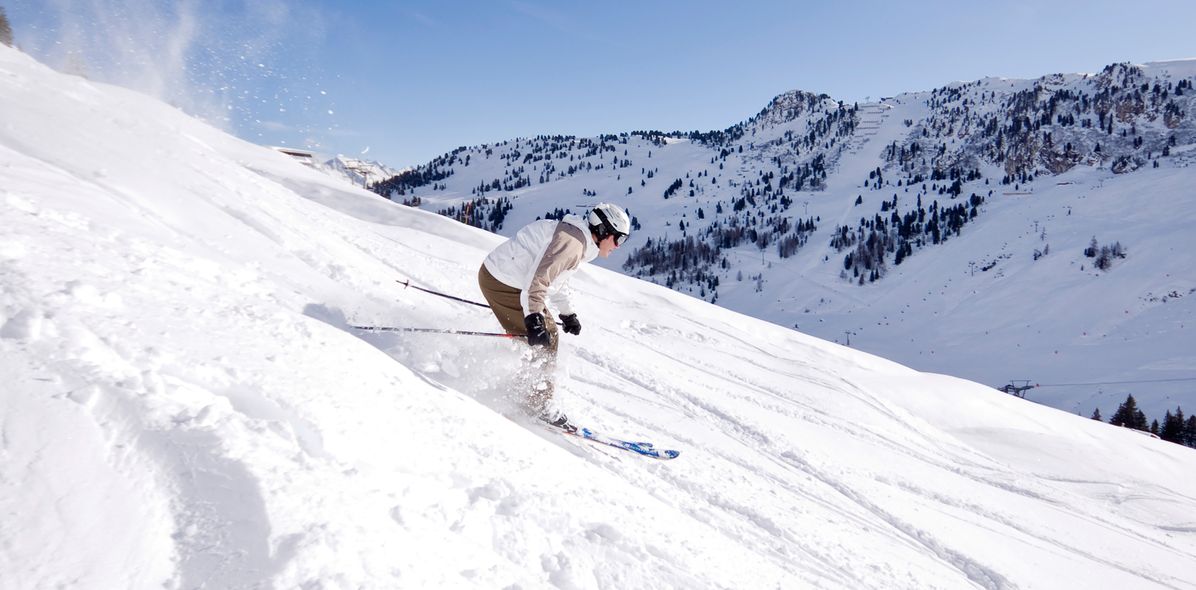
{"type": "Point", "coordinates": [868, 223]}
{"type": "Point", "coordinates": [357, 171]}
{"type": "Point", "coordinates": [184, 406]}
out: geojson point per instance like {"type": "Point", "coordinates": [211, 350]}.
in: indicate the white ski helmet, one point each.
{"type": "Point", "coordinates": [606, 219]}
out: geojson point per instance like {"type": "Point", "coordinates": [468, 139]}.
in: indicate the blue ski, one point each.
{"type": "Point", "coordinates": [646, 449]}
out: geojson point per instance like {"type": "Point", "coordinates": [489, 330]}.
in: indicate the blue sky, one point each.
{"type": "Point", "coordinates": [406, 81]}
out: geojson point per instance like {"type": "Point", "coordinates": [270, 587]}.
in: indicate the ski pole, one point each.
{"type": "Point", "coordinates": [407, 283]}
{"type": "Point", "coordinates": [434, 331]}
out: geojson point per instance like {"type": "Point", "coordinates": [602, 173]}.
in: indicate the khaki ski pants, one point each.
{"type": "Point", "coordinates": [536, 374]}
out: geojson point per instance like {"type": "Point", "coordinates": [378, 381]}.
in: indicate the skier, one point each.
{"type": "Point", "coordinates": [523, 272]}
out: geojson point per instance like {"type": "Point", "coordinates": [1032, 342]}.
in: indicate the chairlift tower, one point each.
{"type": "Point", "coordinates": [1019, 390]}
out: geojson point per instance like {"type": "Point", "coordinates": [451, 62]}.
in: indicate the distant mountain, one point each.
{"type": "Point", "coordinates": [359, 172]}
{"type": "Point", "coordinates": [907, 225]}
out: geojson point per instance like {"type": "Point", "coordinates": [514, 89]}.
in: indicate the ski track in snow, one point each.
{"type": "Point", "coordinates": [220, 518]}
{"type": "Point", "coordinates": [759, 444]}
{"type": "Point", "coordinates": [978, 573]}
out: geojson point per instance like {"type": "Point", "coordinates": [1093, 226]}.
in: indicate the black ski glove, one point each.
{"type": "Point", "coordinates": [572, 326]}
{"type": "Point", "coordinates": [537, 335]}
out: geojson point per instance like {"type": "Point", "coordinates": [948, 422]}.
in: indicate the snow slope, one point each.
{"type": "Point", "coordinates": [183, 407]}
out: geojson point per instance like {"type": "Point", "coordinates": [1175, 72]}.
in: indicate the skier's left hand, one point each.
{"type": "Point", "coordinates": [571, 325]}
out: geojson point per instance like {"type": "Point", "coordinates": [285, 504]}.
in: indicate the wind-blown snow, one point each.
{"type": "Point", "coordinates": [184, 407]}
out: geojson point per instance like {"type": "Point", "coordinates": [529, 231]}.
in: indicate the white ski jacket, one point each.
{"type": "Point", "coordinates": [539, 260]}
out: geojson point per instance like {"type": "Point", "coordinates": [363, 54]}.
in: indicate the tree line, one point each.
{"type": "Point", "coordinates": [1175, 427]}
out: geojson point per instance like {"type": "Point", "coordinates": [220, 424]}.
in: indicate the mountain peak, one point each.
{"type": "Point", "coordinates": [790, 105]}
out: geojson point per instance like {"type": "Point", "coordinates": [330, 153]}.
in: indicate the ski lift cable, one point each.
{"type": "Point", "coordinates": [1118, 382]}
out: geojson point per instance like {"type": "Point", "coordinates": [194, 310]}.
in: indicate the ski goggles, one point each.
{"type": "Point", "coordinates": [620, 237]}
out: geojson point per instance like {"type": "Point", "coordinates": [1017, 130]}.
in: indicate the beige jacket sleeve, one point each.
{"type": "Point", "coordinates": [566, 251]}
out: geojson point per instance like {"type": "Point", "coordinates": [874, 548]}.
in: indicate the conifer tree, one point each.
{"type": "Point", "coordinates": [1166, 432]}
{"type": "Point", "coordinates": [1173, 426]}
{"type": "Point", "coordinates": [1096, 415]}
{"type": "Point", "coordinates": [1129, 416]}
{"type": "Point", "coordinates": [5, 29]}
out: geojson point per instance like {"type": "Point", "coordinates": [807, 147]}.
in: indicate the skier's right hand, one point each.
{"type": "Point", "coordinates": [537, 334]}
